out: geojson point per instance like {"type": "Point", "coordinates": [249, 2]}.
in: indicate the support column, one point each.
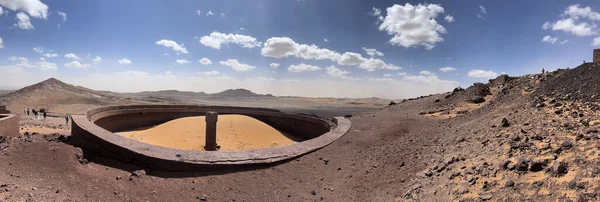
{"type": "Point", "coordinates": [211, 131]}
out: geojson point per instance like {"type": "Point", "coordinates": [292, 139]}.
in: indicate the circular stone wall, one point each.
{"type": "Point", "coordinates": [94, 133]}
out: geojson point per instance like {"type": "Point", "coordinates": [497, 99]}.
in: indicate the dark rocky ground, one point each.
{"type": "Point", "coordinates": [533, 138]}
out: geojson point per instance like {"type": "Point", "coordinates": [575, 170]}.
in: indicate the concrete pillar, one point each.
{"type": "Point", "coordinates": [211, 131]}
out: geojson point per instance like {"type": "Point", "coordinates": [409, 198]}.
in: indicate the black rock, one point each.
{"type": "Point", "coordinates": [536, 166]}
{"type": "Point", "coordinates": [476, 99]}
{"type": "Point", "coordinates": [505, 122]}
{"type": "Point", "coordinates": [558, 168]}
{"type": "Point", "coordinates": [522, 165]}
{"type": "Point", "coordinates": [566, 145]}
{"type": "Point", "coordinates": [509, 183]}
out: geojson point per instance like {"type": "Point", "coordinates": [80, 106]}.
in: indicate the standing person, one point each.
{"type": "Point", "coordinates": [67, 119]}
{"type": "Point", "coordinates": [44, 115]}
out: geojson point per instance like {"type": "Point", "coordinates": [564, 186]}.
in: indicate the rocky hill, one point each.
{"type": "Point", "coordinates": [58, 97]}
{"type": "Point", "coordinates": [239, 93]}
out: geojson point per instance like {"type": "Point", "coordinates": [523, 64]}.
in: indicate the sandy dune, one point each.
{"type": "Point", "coordinates": [234, 132]}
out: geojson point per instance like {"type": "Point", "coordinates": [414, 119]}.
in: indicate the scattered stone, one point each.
{"type": "Point", "coordinates": [138, 173]}
{"type": "Point", "coordinates": [204, 197]}
{"type": "Point", "coordinates": [566, 145]}
{"type": "Point", "coordinates": [522, 165]}
{"type": "Point", "coordinates": [536, 166]}
{"type": "Point", "coordinates": [476, 99]}
{"type": "Point", "coordinates": [505, 123]}
{"type": "Point", "coordinates": [425, 173]}
{"type": "Point", "coordinates": [437, 100]}
{"type": "Point", "coordinates": [485, 197]}
{"type": "Point", "coordinates": [558, 168]}
{"type": "Point", "coordinates": [509, 183]}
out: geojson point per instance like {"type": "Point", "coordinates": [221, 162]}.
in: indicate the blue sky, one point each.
{"type": "Point", "coordinates": [320, 46]}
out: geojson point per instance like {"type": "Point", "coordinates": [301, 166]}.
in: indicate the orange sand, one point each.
{"type": "Point", "coordinates": [234, 132]}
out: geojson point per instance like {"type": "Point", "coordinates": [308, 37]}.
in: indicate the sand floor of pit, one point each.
{"type": "Point", "coordinates": [234, 132]}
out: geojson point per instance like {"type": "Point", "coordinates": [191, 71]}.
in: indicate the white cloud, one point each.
{"type": "Point", "coordinates": [182, 61]}
{"type": "Point", "coordinates": [23, 21]}
{"type": "Point", "coordinates": [413, 26]}
{"type": "Point", "coordinates": [216, 39]}
{"type": "Point", "coordinates": [564, 42]}
{"type": "Point", "coordinates": [447, 69]}
{"type": "Point", "coordinates": [334, 72]}
{"type": "Point", "coordinates": [236, 65]}
{"type": "Point", "coordinates": [72, 56]}
{"type": "Point", "coordinates": [62, 15]}
{"type": "Point", "coordinates": [596, 41]}
{"type": "Point", "coordinates": [576, 11]}
{"type": "Point", "coordinates": [376, 12]}
{"type": "Point", "coordinates": [34, 8]}
{"type": "Point", "coordinates": [169, 74]}
{"type": "Point", "coordinates": [549, 39]}
{"type": "Point", "coordinates": [546, 25]}
{"type": "Point", "coordinates": [570, 22]}
{"type": "Point", "coordinates": [172, 44]}
{"type": "Point", "coordinates": [1, 11]}
{"type": "Point", "coordinates": [387, 75]}
{"type": "Point", "coordinates": [210, 73]}
{"type": "Point", "coordinates": [1, 43]}
{"type": "Point", "coordinates": [402, 74]}
{"type": "Point", "coordinates": [430, 79]}
{"type": "Point", "coordinates": [274, 65]}
{"type": "Point", "coordinates": [372, 64]}
{"type": "Point", "coordinates": [97, 59]}
{"type": "Point", "coordinates": [482, 10]}
{"type": "Point", "coordinates": [303, 67]}
{"type": "Point", "coordinates": [426, 73]}
{"type": "Point", "coordinates": [570, 26]}
{"type": "Point", "coordinates": [449, 18]}
{"type": "Point", "coordinates": [198, 12]}
{"type": "Point", "coordinates": [205, 61]}
{"type": "Point", "coordinates": [42, 64]}
{"type": "Point", "coordinates": [50, 55]}
{"type": "Point", "coordinates": [372, 52]}
{"type": "Point", "coordinates": [483, 74]}
{"type": "Point", "coordinates": [124, 61]}
{"type": "Point", "coordinates": [325, 40]}
{"type": "Point", "coordinates": [132, 73]}
{"type": "Point", "coordinates": [222, 15]}
{"type": "Point", "coordinates": [280, 47]}
{"type": "Point", "coordinates": [38, 49]}
{"type": "Point", "coordinates": [209, 13]}
{"type": "Point", "coordinates": [76, 64]}
{"type": "Point", "coordinates": [349, 58]}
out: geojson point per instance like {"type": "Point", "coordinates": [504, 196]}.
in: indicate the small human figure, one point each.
{"type": "Point", "coordinates": [543, 71]}
{"type": "Point", "coordinates": [67, 119]}
{"type": "Point", "coordinates": [44, 115]}
{"type": "Point", "coordinates": [27, 111]}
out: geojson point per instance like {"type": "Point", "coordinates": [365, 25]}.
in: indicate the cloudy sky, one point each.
{"type": "Point", "coordinates": [322, 48]}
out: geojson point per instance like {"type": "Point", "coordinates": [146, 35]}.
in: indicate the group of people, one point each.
{"type": "Point", "coordinates": [37, 114]}
{"type": "Point", "coordinates": [42, 113]}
